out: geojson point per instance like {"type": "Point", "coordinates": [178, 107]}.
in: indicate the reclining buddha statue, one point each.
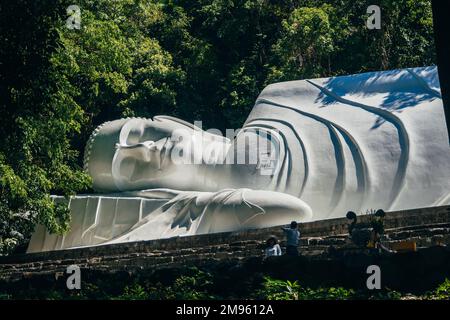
{"type": "Point", "coordinates": [309, 150]}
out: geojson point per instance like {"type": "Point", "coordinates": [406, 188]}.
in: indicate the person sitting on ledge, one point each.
{"type": "Point", "coordinates": [292, 239]}
{"type": "Point", "coordinates": [273, 248]}
{"type": "Point", "coordinates": [360, 233]}
{"type": "Point", "coordinates": [368, 235]}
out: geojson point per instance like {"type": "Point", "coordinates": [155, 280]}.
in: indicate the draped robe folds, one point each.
{"type": "Point", "coordinates": [165, 213]}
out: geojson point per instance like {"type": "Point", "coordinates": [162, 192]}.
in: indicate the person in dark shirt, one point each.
{"type": "Point", "coordinates": [292, 239]}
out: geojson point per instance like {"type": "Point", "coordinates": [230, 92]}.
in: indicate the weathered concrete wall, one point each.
{"type": "Point", "coordinates": [428, 227]}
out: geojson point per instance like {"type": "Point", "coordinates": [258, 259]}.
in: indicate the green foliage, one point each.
{"type": "Point", "coordinates": [198, 60]}
{"type": "Point", "coordinates": [306, 40]}
{"type": "Point", "coordinates": [195, 284]}
{"type": "Point", "coordinates": [332, 293]}
{"type": "Point", "coordinates": [286, 290]}
{"type": "Point", "coordinates": [4, 296]}
{"type": "Point", "coordinates": [382, 295]}
{"type": "Point", "coordinates": [134, 292]}
{"type": "Point", "coordinates": [39, 119]}
{"type": "Point", "coordinates": [274, 289]}
{"type": "Point", "coordinates": [442, 292]}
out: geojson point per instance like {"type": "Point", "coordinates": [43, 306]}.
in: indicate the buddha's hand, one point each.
{"type": "Point", "coordinates": [236, 209]}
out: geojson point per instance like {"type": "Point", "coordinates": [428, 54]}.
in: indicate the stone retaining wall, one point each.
{"type": "Point", "coordinates": [428, 227]}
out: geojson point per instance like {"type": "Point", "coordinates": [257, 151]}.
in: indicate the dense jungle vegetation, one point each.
{"type": "Point", "coordinates": [196, 284]}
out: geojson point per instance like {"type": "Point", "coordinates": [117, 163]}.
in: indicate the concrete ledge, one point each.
{"type": "Point", "coordinates": [410, 219]}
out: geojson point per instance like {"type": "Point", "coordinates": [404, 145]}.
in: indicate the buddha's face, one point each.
{"type": "Point", "coordinates": [152, 154]}
{"type": "Point", "coordinates": [138, 154]}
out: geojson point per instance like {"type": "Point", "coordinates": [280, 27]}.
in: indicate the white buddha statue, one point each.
{"type": "Point", "coordinates": [309, 150]}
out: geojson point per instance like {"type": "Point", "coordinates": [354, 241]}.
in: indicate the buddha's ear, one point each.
{"type": "Point", "coordinates": [123, 166]}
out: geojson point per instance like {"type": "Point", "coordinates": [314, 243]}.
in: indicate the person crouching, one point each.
{"type": "Point", "coordinates": [273, 248]}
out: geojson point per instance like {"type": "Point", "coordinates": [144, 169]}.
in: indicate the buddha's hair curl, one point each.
{"type": "Point", "coordinates": [159, 118]}
{"type": "Point", "coordinates": [90, 142]}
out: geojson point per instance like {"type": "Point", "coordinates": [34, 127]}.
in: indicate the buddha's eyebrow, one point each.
{"type": "Point", "coordinates": [136, 145]}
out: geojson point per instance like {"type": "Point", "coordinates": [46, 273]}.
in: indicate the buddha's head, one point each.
{"type": "Point", "coordinates": [139, 153]}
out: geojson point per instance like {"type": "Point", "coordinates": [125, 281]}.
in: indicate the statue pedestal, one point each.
{"type": "Point", "coordinates": [164, 213]}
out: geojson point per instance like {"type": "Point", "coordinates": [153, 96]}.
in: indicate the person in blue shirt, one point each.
{"type": "Point", "coordinates": [292, 239]}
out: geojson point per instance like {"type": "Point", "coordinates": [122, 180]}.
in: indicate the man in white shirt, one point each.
{"type": "Point", "coordinates": [273, 248]}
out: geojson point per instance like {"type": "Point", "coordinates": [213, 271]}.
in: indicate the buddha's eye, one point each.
{"type": "Point", "coordinates": [149, 145]}
{"type": "Point", "coordinates": [176, 138]}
